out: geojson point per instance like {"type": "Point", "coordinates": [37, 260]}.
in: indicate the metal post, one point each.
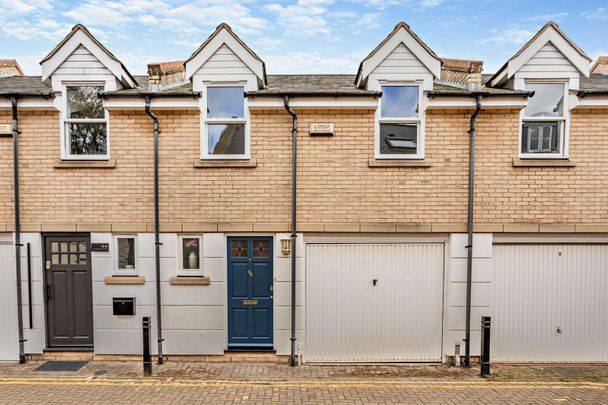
{"type": "Point", "coordinates": [146, 322]}
{"type": "Point", "coordinates": [486, 323]}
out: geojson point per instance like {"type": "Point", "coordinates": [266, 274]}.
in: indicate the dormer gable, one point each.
{"type": "Point", "coordinates": [82, 56]}
{"type": "Point", "coordinates": [225, 57]}
{"type": "Point", "coordinates": [549, 54]}
{"type": "Point", "coordinates": [401, 56]}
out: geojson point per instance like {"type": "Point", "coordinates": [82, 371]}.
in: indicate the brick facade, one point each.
{"type": "Point", "coordinates": [336, 185]}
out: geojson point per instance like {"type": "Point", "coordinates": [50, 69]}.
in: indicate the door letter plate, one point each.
{"type": "Point", "coordinates": [250, 302]}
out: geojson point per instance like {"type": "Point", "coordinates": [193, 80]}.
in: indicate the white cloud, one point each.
{"type": "Point", "coordinates": [305, 18]}
{"type": "Point", "coordinates": [547, 17]}
{"type": "Point", "coordinates": [510, 36]}
{"type": "Point", "coordinates": [24, 29]}
{"type": "Point", "coordinates": [16, 7]}
{"type": "Point", "coordinates": [313, 62]}
{"type": "Point", "coordinates": [600, 13]}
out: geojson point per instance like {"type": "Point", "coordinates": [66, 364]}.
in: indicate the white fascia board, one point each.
{"type": "Point", "coordinates": [80, 38]}
{"type": "Point", "coordinates": [550, 35]}
{"type": "Point", "coordinates": [314, 102]}
{"type": "Point", "coordinates": [589, 101]}
{"type": "Point", "coordinates": [138, 103]}
{"type": "Point", "coordinates": [29, 103]}
{"type": "Point", "coordinates": [224, 37]}
{"type": "Point", "coordinates": [402, 36]}
{"type": "Point", "coordinates": [439, 102]}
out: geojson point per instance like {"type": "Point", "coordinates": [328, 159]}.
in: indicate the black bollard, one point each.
{"type": "Point", "coordinates": [147, 359]}
{"type": "Point", "coordinates": [486, 323]}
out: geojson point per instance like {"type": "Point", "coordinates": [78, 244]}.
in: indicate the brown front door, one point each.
{"type": "Point", "coordinates": [68, 293]}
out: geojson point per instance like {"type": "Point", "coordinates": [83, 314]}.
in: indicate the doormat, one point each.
{"type": "Point", "coordinates": [62, 366]}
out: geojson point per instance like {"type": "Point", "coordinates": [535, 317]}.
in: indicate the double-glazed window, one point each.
{"type": "Point", "coordinates": [85, 123]}
{"type": "Point", "coordinates": [399, 133]}
{"type": "Point", "coordinates": [225, 126]}
{"type": "Point", "coordinates": [544, 121]}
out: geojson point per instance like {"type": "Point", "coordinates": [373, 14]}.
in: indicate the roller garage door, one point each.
{"type": "Point", "coordinates": [550, 303]}
{"type": "Point", "coordinates": [374, 302]}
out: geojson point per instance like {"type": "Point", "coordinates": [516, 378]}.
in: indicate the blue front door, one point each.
{"type": "Point", "coordinates": [250, 292]}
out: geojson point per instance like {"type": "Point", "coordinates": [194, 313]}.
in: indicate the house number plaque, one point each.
{"type": "Point", "coordinates": [6, 129]}
{"type": "Point", "coordinates": [100, 247]}
{"type": "Point", "coordinates": [321, 129]}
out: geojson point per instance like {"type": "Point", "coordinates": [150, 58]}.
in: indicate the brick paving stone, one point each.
{"type": "Point", "coordinates": [238, 383]}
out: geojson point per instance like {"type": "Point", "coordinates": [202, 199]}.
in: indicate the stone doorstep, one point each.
{"type": "Point", "coordinates": [61, 356]}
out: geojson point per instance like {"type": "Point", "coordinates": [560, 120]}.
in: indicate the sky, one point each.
{"type": "Point", "coordinates": [298, 36]}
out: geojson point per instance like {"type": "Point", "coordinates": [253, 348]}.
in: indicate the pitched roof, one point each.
{"type": "Point", "coordinates": [311, 85]}
{"type": "Point", "coordinates": [400, 26]}
{"type": "Point", "coordinates": [226, 27]}
{"type": "Point", "coordinates": [81, 28]}
{"type": "Point", "coordinates": [600, 65]}
{"type": "Point", "coordinates": [24, 85]}
{"type": "Point", "coordinates": [10, 67]}
{"type": "Point", "coordinates": [546, 27]}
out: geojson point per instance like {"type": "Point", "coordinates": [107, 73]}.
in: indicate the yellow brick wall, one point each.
{"type": "Point", "coordinates": [335, 183]}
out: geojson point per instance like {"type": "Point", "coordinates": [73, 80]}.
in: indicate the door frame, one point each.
{"type": "Point", "coordinates": [44, 236]}
{"type": "Point", "coordinates": [249, 235]}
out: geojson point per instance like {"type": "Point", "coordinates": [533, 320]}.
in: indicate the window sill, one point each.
{"type": "Point", "coordinates": [398, 163]}
{"type": "Point", "coordinates": [85, 164]}
{"type": "Point", "coordinates": [189, 280]}
{"type": "Point", "coordinates": [209, 164]}
{"type": "Point", "coordinates": [543, 163]}
{"type": "Point", "coordinates": [124, 280]}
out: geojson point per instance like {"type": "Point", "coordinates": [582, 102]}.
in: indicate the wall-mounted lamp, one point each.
{"type": "Point", "coordinates": [286, 246]}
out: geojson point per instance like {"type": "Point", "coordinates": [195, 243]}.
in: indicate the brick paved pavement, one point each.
{"type": "Point", "coordinates": [236, 383]}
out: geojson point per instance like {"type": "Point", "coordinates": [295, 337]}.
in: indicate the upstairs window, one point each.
{"type": "Point", "coordinates": [399, 133]}
{"type": "Point", "coordinates": [544, 121]}
{"type": "Point", "coordinates": [85, 123]}
{"type": "Point", "coordinates": [225, 127]}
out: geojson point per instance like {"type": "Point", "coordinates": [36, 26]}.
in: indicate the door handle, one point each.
{"type": "Point", "coordinates": [48, 265]}
{"type": "Point", "coordinates": [49, 291]}
{"type": "Point", "coordinates": [250, 273]}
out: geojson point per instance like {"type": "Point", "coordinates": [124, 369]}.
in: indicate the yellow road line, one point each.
{"type": "Point", "coordinates": [341, 384]}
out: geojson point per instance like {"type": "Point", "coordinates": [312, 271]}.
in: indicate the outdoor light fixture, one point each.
{"type": "Point", "coordinates": [286, 246]}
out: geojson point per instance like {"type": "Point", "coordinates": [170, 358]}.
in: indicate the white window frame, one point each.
{"type": "Point", "coordinates": [419, 121]}
{"type": "Point", "coordinates": [180, 254]}
{"type": "Point", "coordinates": [125, 272]}
{"type": "Point", "coordinates": [563, 123]}
{"type": "Point", "coordinates": [65, 144]}
{"type": "Point", "coordinates": [206, 121]}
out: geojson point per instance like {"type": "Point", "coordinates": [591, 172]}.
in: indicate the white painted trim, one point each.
{"type": "Point", "coordinates": [65, 155]}
{"type": "Point", "coordinates": [115, 269]}
{"type": "Point", "coordinates": [370, 102]}
{"type": "Point", "coordinates": [565, 138]}
{"type": "Point", "coordinates": [138, 103]}
{"type": "Point", "coordinates": [400, 36]}
{"type": "Point", "coordinates": [204, 121]}
{"type": "Point", "coordinates": [29, 103]}
{"type": "Point", "coordinates": [548, 238]}
{"type": "Point", "coordinates": [589, 101]}
{"type": "Point", "coordinates": [81, 38]}
{"type": "Point", "coordinates": [440, 102]}
{"type": "Point", "coordinates": [180, 254]}
{"type": "Point", "coordinates": [225, 37]}
{"type": "Point", "coordinates": [420, 121]}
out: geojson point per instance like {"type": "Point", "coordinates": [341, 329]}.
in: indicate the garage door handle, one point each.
{"type": "Point", "coordinates": [375, 282]}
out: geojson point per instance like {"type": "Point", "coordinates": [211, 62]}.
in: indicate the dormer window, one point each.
{"type": "Point", "coordinates": [544, 121]}
{"type": "Point", "coordinates": [225, 123]}
{"type": "Point", "coordinates": [399, 123]}
{"type": "Point", "coordinates": [85, 123]}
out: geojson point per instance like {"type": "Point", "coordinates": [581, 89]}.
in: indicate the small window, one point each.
{"type": "Point", "coordinates": [190, 256]}
{"type": "Point", "coordinates": [126, 254]}
{"type": "Point", "coordinates": [400, 122]}
{"type": "Point", "coordinates": [544, 121]}
{"type": "Point", "coordinates": [85, 123]}
{"type": "Point", "coordinates": [225, 123]}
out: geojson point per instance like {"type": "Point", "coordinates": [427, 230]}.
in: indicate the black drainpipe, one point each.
{"type": "Point", "coordinates": [157, 243]}
{"type": "Point", "coordinates": [467, 336]}
{"type": "Point", "coordinates": [294, 156]}
{"type": "Point", "coordinates": [17, 227]}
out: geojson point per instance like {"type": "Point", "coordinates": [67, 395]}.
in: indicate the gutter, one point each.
{"type": "Point", "coordinates": [45, 96]}
{"type": "Point", "coordinates": [470, 221]}
{"type": "Point", "coordinates": [310, 94]}
{"type": "Point", "coordinates": [294, 156]}
{"type": "Point", "coordinates": [585, 93]}
{"type": "Point", "coordinates": [156, 233]}
{"type": "Point", "coordinates": [435, 93]}
{"type": "Point", "coordinates": [105, 95]}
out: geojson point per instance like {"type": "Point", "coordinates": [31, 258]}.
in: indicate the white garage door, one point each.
{"type": "Point", "coordinates": [550, 303]}
{"type": "Point", "coordinates": [9, 345]}
{"type": "Point", "coordinates": [374, 302]}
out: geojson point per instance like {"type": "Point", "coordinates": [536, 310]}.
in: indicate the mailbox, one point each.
{"type": "Point", "coordinates": [123, 306]}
